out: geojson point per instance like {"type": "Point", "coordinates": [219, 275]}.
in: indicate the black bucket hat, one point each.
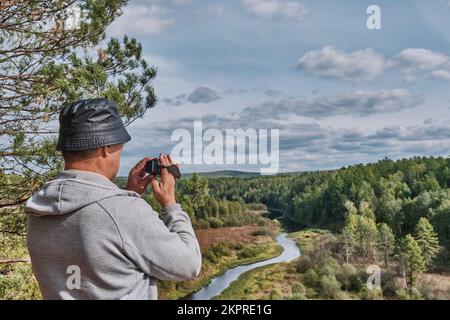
{"type": "Point", "coordinates": [90, 124]}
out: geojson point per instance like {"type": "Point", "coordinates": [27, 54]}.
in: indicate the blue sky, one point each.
{"type": "Point", "coordinates": [339, 93]}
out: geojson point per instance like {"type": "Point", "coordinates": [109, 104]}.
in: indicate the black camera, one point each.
{"type": "Point", "coordinates": [153, 167]}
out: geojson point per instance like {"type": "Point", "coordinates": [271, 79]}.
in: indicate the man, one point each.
{"type": "Point", "coordinates": [89, 239]}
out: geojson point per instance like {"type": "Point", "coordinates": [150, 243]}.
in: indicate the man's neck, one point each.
{"type": "Point", "coordinates": [90, 169]}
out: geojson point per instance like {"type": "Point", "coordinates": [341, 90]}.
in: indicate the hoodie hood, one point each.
{"type": "Point", "coordinates": [72, 190]}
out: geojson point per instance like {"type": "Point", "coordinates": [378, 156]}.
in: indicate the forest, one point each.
{"type": "Point", "coordinates": [392, 213]}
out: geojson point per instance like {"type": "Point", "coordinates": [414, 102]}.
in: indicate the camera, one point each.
{"type": "Point", "coordinates": [153, 167]}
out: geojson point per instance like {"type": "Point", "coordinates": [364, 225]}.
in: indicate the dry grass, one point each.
{"type": "Point", "coordinates": [242, 235]}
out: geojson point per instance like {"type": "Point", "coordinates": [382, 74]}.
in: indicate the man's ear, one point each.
{"type": "Point", "coordinates": [105, 151]}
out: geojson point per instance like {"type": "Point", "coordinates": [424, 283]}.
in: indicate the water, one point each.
{"type": "Point", "coordinates": [220, 283]}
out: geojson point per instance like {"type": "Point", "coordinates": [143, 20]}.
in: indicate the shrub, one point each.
{"type": "Point", "coordinates": [215, 222]}
{"type": "Point", "coordinates": [235, 245]}
{"type": "Point", "coordinates": [201, 224]}
{"type": "Point", "coordinates": [234, 221]}
{"type": "Point", "coordinates": [330, 266]}
{"type": "Point", "coordinates": [402, 294]}
{"type": "Point", "coordinates": [248, 252]}
{"type": "Point", "coordinates": [349, 279]}
{"type": "Point", "coordinates": [209, 256]}
{"type": "Point", "coordinates": [260, 221]}
{"type": "Point", "coordinates": [275, 294]}
{"type": "Point", "coordinates": [374, 294]}
{"type": "Point", "coordinates": [354, 283]}
{"type": "Point", "coordinates": [389, 285]}
{"type": "Point", "coordinates": [311, 279]}
{"type": "Point", "coordinates": [262, 232]}
{"type": "Point", "coordinates": [221, 249]}
{"type": "Point", "coordinates": [330, 288]}
{"type": "Point", "coordinates": [298, 297]}
{"type": "Point", "coordinates": [304, 264]}
{"type": "Point", "coordinates": [299, 290]}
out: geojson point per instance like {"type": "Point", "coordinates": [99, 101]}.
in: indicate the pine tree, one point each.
{"type": "Point", "coordinates": [348, 242]}
{"type": "Point", "coordinates": [427, 240]}
{"type": "Point", "coordinates": [411, 260]}
{"type": "Point", "coordinates": [386, 242]}
{"type": "Point", "coordinates": [197, 189]}
{"type": "Point", "coordinates": [51, 53]}
{"type": "Point", "coordinates": [366, 235]}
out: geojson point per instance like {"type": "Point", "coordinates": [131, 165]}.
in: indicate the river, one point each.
{"type": "Point", "coordinates": [220, 283]}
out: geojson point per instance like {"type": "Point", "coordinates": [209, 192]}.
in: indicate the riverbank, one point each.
{"type": "Point", "coordinates": [222, 249]}
{"type": "Point", "coordinates": [275, 281]}
{"type": "Point", "coordinates": [321, 274]}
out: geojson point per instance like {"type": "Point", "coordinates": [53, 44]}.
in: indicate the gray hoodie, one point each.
{"type": "Point", "coordinates": [89, 239]}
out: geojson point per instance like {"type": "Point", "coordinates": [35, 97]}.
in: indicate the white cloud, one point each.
{"type": "Point", "coordinates": [420, 59]}
{"type": "Point", "coordinates": [441, 74]}
{"type": "Point", "coordinates": [360, 103]}
{"type": "Point", "coordinates": [203, 95]}
{"type": "Point", "coordinates": [416, 63]}
{"type": "Point", "coordinates": [366, 64]}
{"type": "Point", "coordinates": [275, 9]}
{"type": "Point", "coordinates": [142, 19]}
{"type": "Point", "coordinates": [330, 62]}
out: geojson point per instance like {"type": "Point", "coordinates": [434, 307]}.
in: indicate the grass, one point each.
{"type": "Point", "coordinates": [234, 254]}
{"type": "Point", "coordinates": [276, 281]}
{"type": "Point", "coordinates": [266, 282]}
{"type": "Point", "coordinates": [306, 239]}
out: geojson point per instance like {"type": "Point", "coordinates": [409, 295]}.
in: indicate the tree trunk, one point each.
{"type": "Point", "coordinates": [10, 261]}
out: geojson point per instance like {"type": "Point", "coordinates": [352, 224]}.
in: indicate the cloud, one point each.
{"type": "Point", "coordinates": [275, 9]}
{"type": "Point", "coordinates": [142, 19]}
{"type": "Point", "coordinates": [441, 74]}
{"type": "Point", "coordinates": [366, 64]}
{"type": "Point", "coordinates": [420, 59]}
{"type": "Point", "coordinates": [203, 95]}
{"type": "Point", "coordinates": [303, 146]}
{"type": "Point", "coordinates": [417, 63]}
{"type": "Point", "coordinates": [273, 92]}
{"type": "Point", "coordinates": [333, 63]}
{"type": "Point", "coordinates": [181, 2]}
{"type": "Point", "coordinates": [360, 103]}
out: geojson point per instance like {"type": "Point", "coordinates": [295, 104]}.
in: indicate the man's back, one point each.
{"type": "Point", "coordinates": [82, 224]}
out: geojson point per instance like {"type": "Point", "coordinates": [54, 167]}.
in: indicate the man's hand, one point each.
{"type": "Point", "coordinates": [164, 190]}
{"type": "Point", "coordinates": [137, 181]}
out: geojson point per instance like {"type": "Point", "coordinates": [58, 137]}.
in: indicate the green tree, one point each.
{"type": "Point", "coordinates": [388, 206]}
{"type": "Point", "coordinates": [411, 260]}
{"type": "Point", "coordinates": [366, 237]}
{"type": "Point", "coordinates": [361, 226]}
{"type": "Point", "coordinates": [47, 59]}
{"type": "Point", "coordinates": [45, 62]}
{"type": "Point", "coordinates": [348, 239]}
{"type": "Point", "coordinates": [427, 240]}
{"type": "Point", "coordinates": [441, 221]}
{"type": "Point", "coordinates": [386, 242]}
{"type": "Point", "coordinates": [197, 191]}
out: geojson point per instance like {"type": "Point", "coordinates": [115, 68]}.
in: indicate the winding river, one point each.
{"type": "Point", "coordinates": [220, 283]}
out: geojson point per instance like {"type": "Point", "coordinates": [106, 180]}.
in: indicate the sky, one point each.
{"type": "Point", "coordinates": [338, 93]}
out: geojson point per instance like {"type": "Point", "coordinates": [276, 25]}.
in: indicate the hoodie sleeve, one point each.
{"type": "Point", "coordinates": [166, 248]}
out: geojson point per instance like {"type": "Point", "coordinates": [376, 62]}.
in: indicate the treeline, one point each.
{"type": "Point", "coordinates": [396, 193]}
{"type": "Point", "coordinates": [209, 211]}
